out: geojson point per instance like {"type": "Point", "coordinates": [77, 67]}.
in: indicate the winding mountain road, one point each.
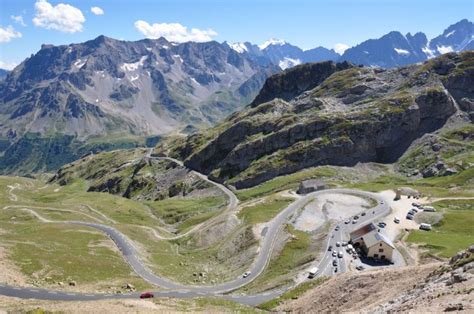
{"type": "Point", "coordinates": [174, 289]}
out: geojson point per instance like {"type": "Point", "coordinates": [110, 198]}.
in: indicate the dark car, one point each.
{"type": "Point", "coordinates": [410, 217]}
{"type": "Point", "coordinates": [337, 228]}
{"type": "Point", "coordinates": [363, 214]}
{"type": "Point", "coordinates": [360, 267]}
{"type": "Point", "coordinates": [382, 224]}
{"type": "Point", "coordinates": [146, 295]}
{"type": "Point", "coordinates": [330, 248]}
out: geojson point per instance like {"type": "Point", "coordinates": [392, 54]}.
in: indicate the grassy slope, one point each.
{"type": "Point", "coordinates": [63, 252]}
{"type": "Point", "coordinates": [453, 233]}
{"type": "Point", "coordinates": [164, 255]}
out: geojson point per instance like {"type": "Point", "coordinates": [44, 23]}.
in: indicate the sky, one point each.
{"type": "Point", "coordinates": [27, 24]}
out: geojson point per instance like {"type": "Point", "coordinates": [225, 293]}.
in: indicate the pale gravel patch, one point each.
{"type": "Point", "coordinates": [331, 206]}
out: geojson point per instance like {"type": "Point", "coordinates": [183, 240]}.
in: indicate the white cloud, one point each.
{"type": "Point", "coordinates": [97, 11]}
{"type": "Point", "coordinates": [8, 65]}
{"type": "Point", "coordinates": [8, 33]}
{"type": "Point", "coordinates": [174, 32]}
{"type": "Point", "coordinates": [61, 17]}
{"type": "Point", "coordinates": [18, 19]}
{"type": "Point", "coordinates": [340, 48]}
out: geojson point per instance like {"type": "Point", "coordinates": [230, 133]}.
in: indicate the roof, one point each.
{"type": "Point", "coordinates": [312, 182]}
{"type": "Point", "coordinates": [374, 238]}
{"type": "Point", "coordinates": [356, 234]}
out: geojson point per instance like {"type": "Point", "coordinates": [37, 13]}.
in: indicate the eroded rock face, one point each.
{"type": "Point", "coordinates": [296, 80]}
{"type": "Point", "coordinates": [338, 121]}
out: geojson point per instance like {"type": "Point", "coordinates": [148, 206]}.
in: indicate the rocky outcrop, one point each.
{"type": "Point", "coordinates": [296, 80]}
{"type": "Point", "coordinates": [320, 126]}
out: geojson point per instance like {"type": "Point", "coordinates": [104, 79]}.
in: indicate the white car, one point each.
{"type": "Point", "coordinates": [334, 253]}
{"type": "Point", "coordinates": [246, 274]}
{"type": "Point", "coordinates": [338, 243]}
{"type": "Point", "coordinates": [339, 254]}
{"type": "Point", "coordinates": [396, 220]}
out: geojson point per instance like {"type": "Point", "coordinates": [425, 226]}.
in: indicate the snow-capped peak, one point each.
{"type": "Point", "coordinates": [272, 41]}
{"type": "Point", "coordinates": [239, 47]}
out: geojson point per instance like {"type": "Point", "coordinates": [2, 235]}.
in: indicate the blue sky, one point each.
{"type": "Point", "coordinates": [304, 23]}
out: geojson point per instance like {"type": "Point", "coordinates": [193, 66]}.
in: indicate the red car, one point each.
{"type": "Point", "coordinates": [146, 295]}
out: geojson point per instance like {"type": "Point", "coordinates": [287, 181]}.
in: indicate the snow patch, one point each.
{"type": "Point", "coordinates": [366, 52]}
{"type": "Point", "coordinates": [272, 41]}
{"type": "Point", "coordinates": [450, 33]}
{"type": "Point", "coordinates": [179, 58]}
{"type": "Point", "coordinates": [165, 47]}
{"type": "Point", "coordinates": [80, 63]}
{"type": "Point", "coordinates": [133, 66]}
{"type": "Point", "coordinates": [239, 47]}
{"type": "Point", "coordinates": [69, 50]}
{"type": "Point", "coordinates": [194, 80]}
{"type": "Point", "coordinates": [402, 51]}
{"type": "Point", "coordinates": [428, 52]}
{"type": "Point", "coordinates": [134, 78]}
{"type": "Point", "coordinates": [288, 63]}
{"type": "Point", "coordinates": [444, 49]}
{"type": "Point", "coordinates": [148, 48]}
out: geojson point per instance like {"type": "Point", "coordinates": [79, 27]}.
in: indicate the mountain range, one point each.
{"type": "Point", "coordinates": [391, 50]}
{"type": "Point", "coordinates": [66, 101]}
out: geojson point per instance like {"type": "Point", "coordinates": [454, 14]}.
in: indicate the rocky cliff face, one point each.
{"type": "Point", "coordinates": [354, 115]}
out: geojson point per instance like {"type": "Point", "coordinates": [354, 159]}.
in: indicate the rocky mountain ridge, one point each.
{"type": "Point", "coordinates": [354, 115]}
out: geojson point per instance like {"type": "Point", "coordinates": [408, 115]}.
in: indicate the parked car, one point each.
{"type": "Point", "coordinates": [411, 212]}
{"type": "Point", "coordinates": [312, 272]}
{"type": "Point", "coordinates": [362, 214]}
{"type": "Point", "coordinates": [360, 267]}
{"type": "Point", "coordinates": [146, 295]}
{"type": "Point", "coordinates": [340, 254]}
{"type": "Point", "coordinates": [334, 253]}
{"type": "Point", "coordinates": [347, 221]}
{"type": "Point", "coordinates": [429, 209]}
{"type": "Point", "coordinates": [356, 217]}
{"type": "Point", "coordinates": [425, 226]}
{"type": "Point", "coordinates": [382, 224]}
{"type": "Point", "coordinates": [396, 220]}
{"type": "Point", "coordinates": [414, 209]}
{"type": "Point", "coordinates": [354, 221]}
{"type": "Point", "coordinates": [334, 262]}
{"type": "Point", "coordinates": [381, 202]}
{"type": "Point", "coordinates": [338, 243]}
{"type": "Point", "coordinates": [409, 217]}
{"type": "Point", "coordinates": [246, 274]}
{"type": "Point", "coordinates": [344, 243]}
{"type": "Point", "coordinates": [415, 204]}
{"type": "Point", "coordinates": [337, 228]}
{"type": "Point", "coordinates": [330, 248]}
{"type": "Point", "coordinates": [335, 269]}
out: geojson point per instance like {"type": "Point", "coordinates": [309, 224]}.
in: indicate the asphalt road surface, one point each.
{"type": "Point", "coordinates": [174, 289]}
